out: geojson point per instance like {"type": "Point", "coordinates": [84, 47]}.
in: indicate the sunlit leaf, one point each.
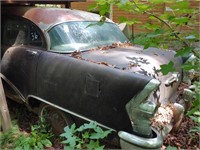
{"type": "Point", "coordinates": [184, 52]}
{"type": "Point", "coordinates": [181, 20]}
{"type": "Point", "coordinates": [195, 130]}
{"type": "Point", "coordinates": [166, 68]}
{"type": "Point", "coordinates": [91, 125]}
{"type": "Point", "coordinates": [189, 66]}
{"type": "Point", "coordinates": [192, 111]}
{"type": "Point", "coordinates": [92, 7]}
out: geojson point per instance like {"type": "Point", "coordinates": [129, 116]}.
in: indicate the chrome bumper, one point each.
{"type": "Point", "coordinates": [131, 141]}
{"type": "Point", "coordinates": [171, 117]}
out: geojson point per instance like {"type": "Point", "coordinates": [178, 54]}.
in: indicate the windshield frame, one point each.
{"type": "Point", "coordinates": [86, 49]}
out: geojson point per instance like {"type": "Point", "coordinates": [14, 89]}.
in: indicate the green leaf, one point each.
{"type": "Point", "coordinates": [92, 7]}
{"type": "Point", "coordinates": [181, 5]}
{"type": "Point", "coordinates": [18, 148]}
{"type": "Point", "coordinates": [181, 20]}
{"type": "Point", "coordinates": [192, 111]}
{"type": "Point", "coordinates": [128, 21]}
{"type": "Point", "coordinates": [68, 148]}
{"type": "Point", "coordinates": [26, 146]}
{"type": "Point", "coordinates": [196, 119]}
{"type": "Point", "coordinates": [197, 113]}
{"type": "Point", "coordinates": [157, 1]}
{"type": "Point", "coordinates": [69, 131]}
{"type": "Point", "coordinates": [85, 135]}
{"type": "Point", "coordinates": [71, 141]}
{"type": "Point", "coordinates": [79, 146]}
{"type": "Point", "coordinates": [40, 145]}
{"type": "Point", "coordinates": [46, 143]}
{"type": "Point", "coordinates": [190, 66]}
{"type": "Point", "coordinates": [93, 144]}
{"type": "Point", "coordinates": [171, 148]}
{"type": "Point", "coordinates": [122, 19]}
{"type": "Point", "coordinates": [166, 68]}
{"type": "Point", "coordinates": [91, 125]}
{"type": "Point", "coordinates": [100, 148]}
{"type": "Point", "coordinates": [195, 130]}
{"type": "Point", "coordinates": [147, 45]}
{"type": "Point", "coordinates": [184, 52]}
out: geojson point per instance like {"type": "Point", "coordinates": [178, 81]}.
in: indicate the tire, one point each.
{"type": "Point", "coordinates": [56, 119]}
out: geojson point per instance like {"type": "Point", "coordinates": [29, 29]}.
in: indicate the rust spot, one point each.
{"type": "Point", "coordinates": [114, 45]}
{"type": "Point", "coordinates": [155, 54]}
{"type": "Point", "coordinates": [76, 54]}
{"type": "Point", "coordinates": [106, 64]}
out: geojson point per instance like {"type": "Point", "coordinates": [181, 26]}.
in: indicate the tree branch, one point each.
{"type": "Point", "coordinates": [161, 20]}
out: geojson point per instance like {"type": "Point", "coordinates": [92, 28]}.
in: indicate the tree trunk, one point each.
{"type": "Point", "coordinates": [5, 120]}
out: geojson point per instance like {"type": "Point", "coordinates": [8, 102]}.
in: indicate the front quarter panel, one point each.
{"type": "Point", "coordinates": [91, 90]}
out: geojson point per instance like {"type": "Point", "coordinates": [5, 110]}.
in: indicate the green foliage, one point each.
{"type": "Point", "coordinates": [39, 138]}
{"type": "Point", "coordinates": [86, 136]}
{"type": "Point", "coordinates": [171, 148]}
{"type": "Point", "coordinates": [164, 32]}
{"type": "Point", "coordinates": [184, 51]}
{"type": "Point", "coordinates": [128, 21]}
{"type": "Point", "coordinates": [166, 68]}
{"type": "Point", "coordinates": [162, 29]}
{"type": "Point", "coordinates": [194, 113]}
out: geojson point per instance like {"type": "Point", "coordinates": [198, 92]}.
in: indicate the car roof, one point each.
{"type": "Point", "coordinates": [48, 17]}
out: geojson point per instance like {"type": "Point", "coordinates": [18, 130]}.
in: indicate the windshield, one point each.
{"type": "Point", "coordinates": [79, 36]}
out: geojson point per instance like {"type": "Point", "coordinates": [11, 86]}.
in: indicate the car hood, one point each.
{"type": "Point", "coordinates": [133, 59]}
{"type": "Point", "coordinates": [146, 62]}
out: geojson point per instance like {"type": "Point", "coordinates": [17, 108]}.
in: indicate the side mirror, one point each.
{"type": "Point", "coordinates": [125, 29]}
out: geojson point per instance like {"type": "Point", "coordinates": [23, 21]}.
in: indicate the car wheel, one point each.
{"type": "Point", "coordinates": [55, 119]}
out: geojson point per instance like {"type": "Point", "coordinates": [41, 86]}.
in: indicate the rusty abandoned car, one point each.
{"type": "Point", "coordinates": [66, 62]}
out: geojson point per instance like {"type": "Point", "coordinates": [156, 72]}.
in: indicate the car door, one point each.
{"type": "Point", "coordinates": [22, 43]}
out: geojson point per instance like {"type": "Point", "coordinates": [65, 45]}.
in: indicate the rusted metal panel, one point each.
{"type": "Point", "coordinates": [46, 17]}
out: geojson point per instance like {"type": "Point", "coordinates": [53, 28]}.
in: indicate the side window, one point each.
{"type": "Point", "coordinates": [18, 31]}
{"type": "Point", "coordinates": [15, 32]}
{"type": "Point", "coordinates": [13, 29]}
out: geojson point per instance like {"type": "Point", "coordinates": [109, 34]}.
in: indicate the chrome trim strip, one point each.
{"type": "Point", "coordinates": [140, 97]}
{"type": "Point", "coordinates": [13, 87]}
{"type": "Point", "coordinates": [68, 111]}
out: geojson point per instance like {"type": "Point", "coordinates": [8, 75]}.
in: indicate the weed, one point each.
{"type": "Point", "coordinates": [86, 136]}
